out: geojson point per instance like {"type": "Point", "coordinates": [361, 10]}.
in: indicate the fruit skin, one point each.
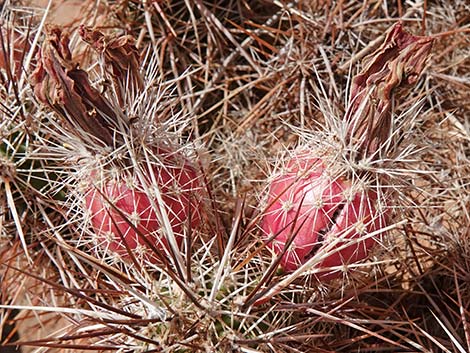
{"type": "Point", "coordinates": [318, 211]}
{"type": "Point", "coordinates": [179, 188]}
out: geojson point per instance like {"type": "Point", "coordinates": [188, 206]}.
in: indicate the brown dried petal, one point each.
{"type": "Point", "coordinates": [61, 85]}
{"type": "Point", "coordinates": [121, 58]}
{"type": "Point", "coordinates": [397, 64]}
{"type": "Point", "coordinates": [14, 47]}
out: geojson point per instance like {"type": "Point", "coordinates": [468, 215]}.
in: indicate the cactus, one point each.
{"type": "Point", "coordinates": [164, 238]}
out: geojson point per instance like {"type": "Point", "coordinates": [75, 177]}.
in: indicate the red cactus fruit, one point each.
{"type": "Point", "coordinates": [127, 217]}
{"type": "Point", "coordinates": [310, 210]}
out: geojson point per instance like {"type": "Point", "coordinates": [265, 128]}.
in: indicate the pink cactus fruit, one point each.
{"type": "Point", "coordinates": [128, 218]}
{"type": "Point", "coordinates": [310, 210]}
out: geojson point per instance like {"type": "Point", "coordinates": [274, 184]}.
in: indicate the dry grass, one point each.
{"type": "Point", "coordinates": [243, 84]}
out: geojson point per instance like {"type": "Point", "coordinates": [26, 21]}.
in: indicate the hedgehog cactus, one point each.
{"type": "Point", "coordinates": [328, 211]}
{"type": "Point", "coordinates": [138, 196]}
